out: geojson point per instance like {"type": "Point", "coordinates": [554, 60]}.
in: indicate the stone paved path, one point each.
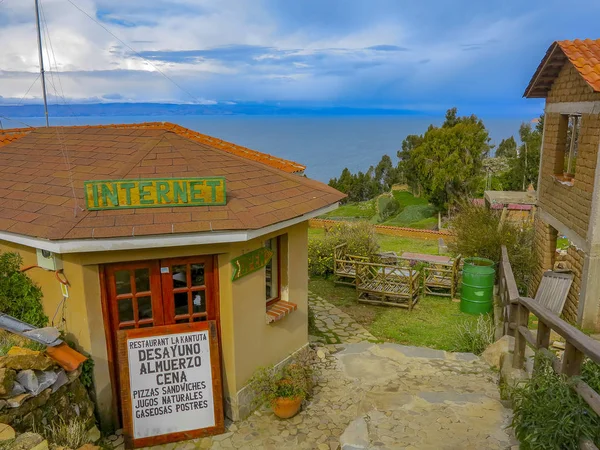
{"type": "Point", "coordinates": [379, 396]}
{"type": "Point", "coordinates": [335, 326]}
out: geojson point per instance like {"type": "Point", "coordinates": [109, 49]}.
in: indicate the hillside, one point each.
{"type": "Point", "coordinates": [415, 212]}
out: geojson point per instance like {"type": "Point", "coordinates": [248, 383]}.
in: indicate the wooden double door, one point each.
{"type": "Point", "coordinates": [157, 292]}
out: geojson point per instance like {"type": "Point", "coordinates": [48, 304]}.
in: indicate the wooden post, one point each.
{"type": "Point", "coordinates": [543, 335]}
{"type": "Point", "coordinates": [542, 339]}
{"type": "Point", "coordinates": [521, 318]}
{"type": "Point", "coordinates": [572, 360]}
{"type": "Point", "coordinates": [513, 317]}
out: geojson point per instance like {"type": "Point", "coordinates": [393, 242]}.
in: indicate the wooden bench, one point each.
{"type": "Point", "coordinates": [387, 284]}
{"type": "Point", "coordinates": [344, 265]}
{"type": "Point", "coordinates": [441, 278]}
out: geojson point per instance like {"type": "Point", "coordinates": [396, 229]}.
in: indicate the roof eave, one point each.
{"type": "Point", "coordinates": [157, 241]}
{"type": "Point", "coordinates": [533, 82]}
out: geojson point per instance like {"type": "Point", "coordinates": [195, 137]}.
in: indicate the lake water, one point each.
{"type": "Point", "coordinates": [324, 144]}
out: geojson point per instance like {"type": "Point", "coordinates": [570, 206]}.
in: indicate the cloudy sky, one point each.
{"type": "Point", "coordinates": [422, 55]}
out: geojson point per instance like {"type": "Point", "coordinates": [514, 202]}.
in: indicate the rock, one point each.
{"type": "Point", "coordinates": [27, 441]}
{"type": "Point", "coordinates": [356, 435]}
{"type": "Point", "coordinates": [509, 375]}
{"type": "Point", "coordinates": [17, 401]}
{"type": "Point", "coordinates": [45, 380]}
{"type": "Point", "coordinates": [89, 447]}
{"type": "Point", "coordinates": [19, 358]}
{"type": "Point", "coordinates": [492, 354]}
{"type": "Point", "coordinates": [61, 380]}
{"type": "Point", "coordinates": [16, 390]}
{"type": "Point", "coordinates": [559, 345]}
{"type": "Point", "coordinates": [321, 354]}
{"type": "Point", "coordinates": [7, 381]}
{"type": "Point", "coordinates": [41, 446]}
{"type": "Point", "coordinates": [28, 379]}
{"type": "Point", "coordinates": [117, 442]}
{"type": "Point", "coordinates": [7, 433]}
{"type": "Point", "coordinates": [93, 434]}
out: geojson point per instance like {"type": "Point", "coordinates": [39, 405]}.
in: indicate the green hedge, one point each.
{"type": "Point", "coordinates": [20, 297]}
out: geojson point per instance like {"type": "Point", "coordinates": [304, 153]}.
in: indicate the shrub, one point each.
{"type": "Point", "coordinates": [387, 206]}
{"type": "Point", "coordinates": [474, 336]}
{"type": "Point", "coordinates": [70, 434]}
{"type": "Point", "coordinates": [291, 380]}
{"type": "Point", "coordinates": [412, 214]}
{"type": "Point", "coordinates": [359, 236]}
{"type": "Point", "coordinates": [549, 414]}
{"type": "Point", "coordinates": [20, 297]}
{"type": "Point", "coordinates": [479, 232]}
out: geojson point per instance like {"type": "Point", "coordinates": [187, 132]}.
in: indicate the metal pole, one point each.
{"type": "Point", "coordinates": [39, 39]}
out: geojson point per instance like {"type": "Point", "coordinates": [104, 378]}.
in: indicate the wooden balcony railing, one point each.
{"type": "Point", "coordinates": [578, 345]}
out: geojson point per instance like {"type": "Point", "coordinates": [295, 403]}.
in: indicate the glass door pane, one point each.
{"type": "Point", "coordinates": [185, 282]}
{"type": "Point", "coordinates": [132, 300]}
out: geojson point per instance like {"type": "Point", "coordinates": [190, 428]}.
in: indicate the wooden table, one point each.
{"type": "Point", "coordinates": [434, 259]}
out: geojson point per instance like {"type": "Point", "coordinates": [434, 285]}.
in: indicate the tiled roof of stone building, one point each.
{"type": "Point", "coordinates": [583, 54]}
{"type": "Point", "coordinates": [42, 174]}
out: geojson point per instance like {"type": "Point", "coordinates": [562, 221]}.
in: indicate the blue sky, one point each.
{"type": "Point", "coordinates": [424, 56]}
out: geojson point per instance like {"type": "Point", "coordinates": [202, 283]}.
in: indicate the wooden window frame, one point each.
{"type": "Point", "coordinates": [169, 291]}
{"type": "Point", "coordinates": [278, 263]}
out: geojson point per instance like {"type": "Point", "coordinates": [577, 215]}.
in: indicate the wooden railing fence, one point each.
{"type": "Point", "coordinates": [578, 345]}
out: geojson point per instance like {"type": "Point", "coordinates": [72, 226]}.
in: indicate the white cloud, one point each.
{"type": "Point", "coordinates": [306, 52]}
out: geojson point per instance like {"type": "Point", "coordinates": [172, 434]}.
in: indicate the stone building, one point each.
{"type": "Point", "coordinates": [155, 226]}
{"type": "Point", "coordinates": [568, 77]}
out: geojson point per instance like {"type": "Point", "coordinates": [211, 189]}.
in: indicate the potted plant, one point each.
{"type": "Point", "coordinates": [283, 388]}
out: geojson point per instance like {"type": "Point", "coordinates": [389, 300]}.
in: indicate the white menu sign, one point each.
{"type": "Point", "coordinates": [171, 383]}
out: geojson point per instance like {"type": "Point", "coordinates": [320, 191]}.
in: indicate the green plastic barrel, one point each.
{"type": "Point", "coordinates": [477, 286]}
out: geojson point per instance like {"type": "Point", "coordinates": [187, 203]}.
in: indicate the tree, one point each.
{"type": "Point", "coordinates": [447, 162]}
{"type": "Point", "coordinates": [507, 148]}
{"type": "Point", "coordinates": [367, 185]}
{"type": "Point", "coordinates": [406, 165]}
{"type": "Point", "coordinates": [524, 167]}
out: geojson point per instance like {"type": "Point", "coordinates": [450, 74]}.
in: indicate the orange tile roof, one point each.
{"type": "Point", "coordinates": [583, 54]}
{"type": "Point", "coordinates": [42, 175]}
{"type": "Point", "coordinates": [273, 161]}
{"type": "Point", "coordinates": [12, 134]}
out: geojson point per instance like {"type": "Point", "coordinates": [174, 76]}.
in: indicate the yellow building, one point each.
{"type": "Point", "coordinates": [154, 244]}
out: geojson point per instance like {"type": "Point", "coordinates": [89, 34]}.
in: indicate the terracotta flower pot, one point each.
{"type": "Point", "coordinates": [284, 408]}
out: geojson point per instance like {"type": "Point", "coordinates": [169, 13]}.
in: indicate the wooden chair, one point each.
{"type": "Point", "coordinates": [553, 290]}
{"type": "Point", "coordinates": [387, 284]}
{"type": "Point", "coordinates": [441, 278]}
{"type": "Point", "coordinates": [344, 265]}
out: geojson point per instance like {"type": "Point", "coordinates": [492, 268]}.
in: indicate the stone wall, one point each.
{"type": "Point", "coordinates": [570, 204]}
{"type": "Point", "coordinates": [570, 87]}
{"type": "Point", "coordinates": [67, 403]}
{"type": "Point", "coordinates": [574, 259]}
{"type": "Point", "coordinates": [545, 248]}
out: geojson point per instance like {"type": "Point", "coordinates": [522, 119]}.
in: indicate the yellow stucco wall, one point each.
{"type": "Point", "coordinates": [247, 341]}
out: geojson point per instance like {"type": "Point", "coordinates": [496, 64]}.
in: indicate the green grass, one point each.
{"type": "Point", "coordinates": [361, 210]}
{"type": "Point", "coordinates": [401, 244]}
{"type": "Point", "coordinates": [397, 244]}
{"type": "Point", "coordinates": [415, 212]}
{"type": "Point", "coordinates": [432, 323]}
{"type": "Point", "coordinates": [562, 243]}
{"type": "Point", "coordinates": [405, 198]}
